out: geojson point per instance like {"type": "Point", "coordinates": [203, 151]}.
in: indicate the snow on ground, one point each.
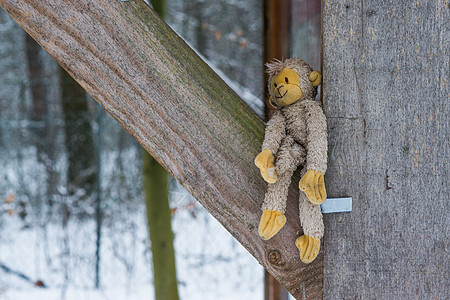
{"type": "Point", "coordinates": [210, 263]}
{"type": "Point", "coordinates": [141, 292]}
{"type": "Point", "coordinates": [210, 256]}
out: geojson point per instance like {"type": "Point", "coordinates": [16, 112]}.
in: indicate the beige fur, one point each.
{"type": "Point", "coordinates": [297, 136]}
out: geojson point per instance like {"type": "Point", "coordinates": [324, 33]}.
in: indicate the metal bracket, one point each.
{"type": "Point", "coordinates": [335, 205]}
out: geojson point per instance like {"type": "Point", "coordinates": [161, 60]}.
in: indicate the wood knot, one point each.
{"type": "Point", "coordinates": [274, 257]}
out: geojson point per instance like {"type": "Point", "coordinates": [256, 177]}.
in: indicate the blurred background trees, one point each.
{"type": "Point", "coordinates": [77, 219]}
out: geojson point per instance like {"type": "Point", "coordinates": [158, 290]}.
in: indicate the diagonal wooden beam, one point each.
{"type": "Point", "coordinates": [178, 109]}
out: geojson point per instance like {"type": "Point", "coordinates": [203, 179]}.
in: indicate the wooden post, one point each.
{"type": "Point", "coordinates": [386, 69]}
{"type": "Point", "coordinates": [180, 111]}
{"type": "Point", "coordinates": [276, 46]}
{"type": "Point", "coordinates": [277, 23]}
{"type": "Point", "coordinates": [273, 290]}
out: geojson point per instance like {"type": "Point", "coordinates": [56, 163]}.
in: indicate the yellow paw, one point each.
{"type": "Point", "coordinates": [309, 248]}
{"type": "Point", "coordinates": [265, 162]}
{"type": "Point", "coordinates": [315, 77]}
{"type": "Point", "coordinates": [313, 185]}
{"type": "Point", "coordinates": [271, 222]}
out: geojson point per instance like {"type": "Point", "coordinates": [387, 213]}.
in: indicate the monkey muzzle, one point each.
{"type": "Point", "coordinates": [280, 93]}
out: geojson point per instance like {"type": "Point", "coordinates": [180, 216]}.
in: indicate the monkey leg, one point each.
{"type": "Point", "coordinates": [312, 223]}
{"type": "Point", "coordinates": [289, 157]}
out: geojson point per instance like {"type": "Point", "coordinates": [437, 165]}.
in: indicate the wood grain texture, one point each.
{"type": "Point", "coordinates": [180, 111]}
{"type": "Point", "coordinates": [386, 69]}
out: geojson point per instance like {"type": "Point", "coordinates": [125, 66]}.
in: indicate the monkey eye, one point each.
{"type": "Point", "coordinates": [286, 79]}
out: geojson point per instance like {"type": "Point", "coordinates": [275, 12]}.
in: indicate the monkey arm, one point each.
{"type": "Point", "coordinates": [317, 145]}
{"type": "Point", "coordinates": [275, 132]}
{"type": "Point", "coordinates": [312, 183]}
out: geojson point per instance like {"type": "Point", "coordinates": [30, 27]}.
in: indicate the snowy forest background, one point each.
{"type": "Point", "coordinates": [72, 211]}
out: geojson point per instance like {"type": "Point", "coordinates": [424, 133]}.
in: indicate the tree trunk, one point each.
{"type": "Point", "coordinates": [181, 112]}
{"type": "Point", "coordinates": [38, 88]}
{"type": "Point", "coordinates": [386, 68]}
{"type": "Point", "coordinates": [81, 152]}
{"type": "Point", "coordinates": [83, 156]}
{"type": "Point", "coordinates": [41, 127]}
{"type": "Point", "coordinates": [156, 186]}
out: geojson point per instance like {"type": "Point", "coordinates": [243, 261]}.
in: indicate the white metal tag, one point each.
{"type": "Point", "coordinates": [335, 205]}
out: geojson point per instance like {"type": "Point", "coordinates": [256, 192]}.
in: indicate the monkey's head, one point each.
{"type": "Point", "coordinates": [291, 80]}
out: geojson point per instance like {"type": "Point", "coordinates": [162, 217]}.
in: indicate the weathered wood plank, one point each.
{"type": "Point", "coordinates": [386, 69]}
{"type": "Point", "coordinates": [164, 95]}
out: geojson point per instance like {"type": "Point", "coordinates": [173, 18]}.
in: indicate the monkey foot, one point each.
{"type": "Point", "coordinates": [313, 185]}
{"type": "Point", "coordinates": [309, 248]}
{"type": "Point", "coordinates": [271, 222]}
{"type": "Point", "coordinates": [265, 162]}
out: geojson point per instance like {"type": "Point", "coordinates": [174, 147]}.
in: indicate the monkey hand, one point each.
{"type": "Point", "coordinates": [265, 162]}
{"type": "Point", "coordinates": [309, 248]}
{"type": "Point", "coordinates": [271, 222]}
{"type": "Point", "coordinates": [313, 185]}
{"type": "Point", "coordinates": [315, 77]}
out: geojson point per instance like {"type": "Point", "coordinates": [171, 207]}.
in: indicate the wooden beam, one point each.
{"type": "Point", "coordinates": [386, 69]}
{"type": "Point", "coordinates": [178, 109]}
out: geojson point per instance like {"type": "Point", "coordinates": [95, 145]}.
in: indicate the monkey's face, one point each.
{"type": "Point", "coordinates": [286, 87]}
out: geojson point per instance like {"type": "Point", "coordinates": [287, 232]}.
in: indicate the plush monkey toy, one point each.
{"type": "Point", "coordinates": [296, 135]}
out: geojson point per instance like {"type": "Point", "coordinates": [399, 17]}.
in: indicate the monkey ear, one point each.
{"type": "Point", "coordinates": [315, 77]}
